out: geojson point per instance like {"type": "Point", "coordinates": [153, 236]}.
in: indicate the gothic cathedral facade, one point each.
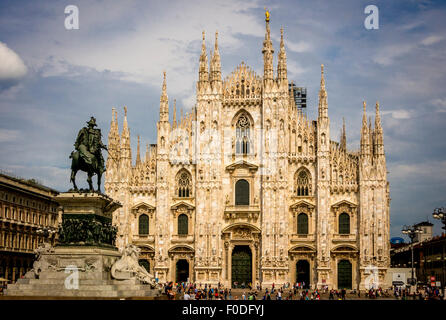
{"type": "Point", "coordinates": [246, 190]}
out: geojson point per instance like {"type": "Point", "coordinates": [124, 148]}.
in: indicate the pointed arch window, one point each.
{"type": "Point", "coordinates": [184, 184]}
{"type": "Point", "coordinates": [243, 143]}
{"type": "Point", "coordinates": [183, 224]}
{"type": "Point", "coordinates": [344, 223]}
{"type": "Point", "coordinates": [302, 223]}
{"type": "Point", "coordinates": [303, 183]}
{"type": "Point", "coordinates": [143, 223]}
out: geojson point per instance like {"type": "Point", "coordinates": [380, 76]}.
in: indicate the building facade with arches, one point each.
{"type": "Point", "coordinates": [245, 189]}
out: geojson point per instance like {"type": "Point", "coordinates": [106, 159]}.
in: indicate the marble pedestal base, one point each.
{"type": "Point", "coordinates": [78, 272]}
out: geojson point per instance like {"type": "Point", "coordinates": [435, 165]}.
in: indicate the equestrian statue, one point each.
{"type": "Point", "coordinates": [87, 155]}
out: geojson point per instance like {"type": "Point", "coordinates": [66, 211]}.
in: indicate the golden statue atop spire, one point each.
{"type": "Point", "coordinates": [266, 15]}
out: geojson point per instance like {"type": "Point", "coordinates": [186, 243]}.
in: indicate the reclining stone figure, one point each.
{"type": "Point", "coordinates": [128, 267]}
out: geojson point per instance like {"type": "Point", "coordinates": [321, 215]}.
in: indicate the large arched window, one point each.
{"type": "Point", "coordinates": [183, 224]}
{"type": "Point", "coordinates": [242, 193]}
{"type": "Point", "coordinates": [243, 135]}
{"type": "Point", "coordinates": [302, 224]}
{"type": "Point", "coordinates": [344, 223]}
{"type": "Point", "coordinates": [143, 223]}
{"type": "Point", "coordinates": [184, 184]}
{"type": "Point", "coordinates": [303, 183]}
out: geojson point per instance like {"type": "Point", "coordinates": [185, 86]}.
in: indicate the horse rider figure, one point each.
{"type": "Point", "coordinates": [87, 155]}
{"type": "Point", "coordinates": [89, 144]}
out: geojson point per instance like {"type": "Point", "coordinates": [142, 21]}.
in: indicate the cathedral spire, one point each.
{"type": "Point", "coordinates": [379, 144]}
{"type": "Point", "coordinates": [113, 126]}
{"type": "Point", "coordinates": [215, 64]}
{"type": "Point", "coordinates": [365, 133]}
{"type": "Point", "coordinates": [146, 159]}
{"type": "Point", "coordinates": [267, 51]}
{"type": "Point", "coordinates": [174, 124]}
{"type": "Point", "coordinates": [113, 140]}
{"type": "Point", "coordinates": [164, 102]}
{"type": "Point", "coordinates": [377, 117]}
{"type": "Point", "coordinates": [281, 65]}
{"type": "Point", "coordinates": [138, 153]}
{"type": "Point", "coordinates": [203, 74]}
{"type": "Point", "coordinates": [323, 107]}
{"type": "Point", "coordinates": [364, 115]}
{"type": "Point", "coordinates": [343, 136]}
{"type": "Point", "coordinates": [126, 152]}
{"type": "Point", "coordinates": [125, 127]}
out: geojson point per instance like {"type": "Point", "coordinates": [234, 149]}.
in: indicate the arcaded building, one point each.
{"type": "Point", "coordinates": [246, 189]}
{"type": "Point", "coordinates": [26, 207]}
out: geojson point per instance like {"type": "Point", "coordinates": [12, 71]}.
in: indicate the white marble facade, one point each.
{"type": "Point", "coordinates": [245, 168]}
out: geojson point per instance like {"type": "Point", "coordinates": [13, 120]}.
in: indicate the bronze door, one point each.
{"type": "Point", "coordinates": [241, 267]}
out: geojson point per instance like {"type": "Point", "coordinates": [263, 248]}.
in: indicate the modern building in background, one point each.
{"type": "Point", "coordinates": [299, 95]}
{"type": "Point", "coordinates": [244, 189]}
{"type": "Point", "coordinates": [426, 231]}
{"type": "Point", "coordinates": [429, 257]}
{"type": "Point", "coordinates": [25, 206]}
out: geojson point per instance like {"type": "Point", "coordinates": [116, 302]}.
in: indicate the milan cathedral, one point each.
{"type": "Point", "coordinates": [246, 190]}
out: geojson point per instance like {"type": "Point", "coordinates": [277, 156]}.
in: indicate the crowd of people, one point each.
{"type": "Point", "coordinates": [420, 293]}
{"type": "Point", "coordinates": [297, 291]}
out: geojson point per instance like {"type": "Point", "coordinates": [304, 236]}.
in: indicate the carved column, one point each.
{"type": "Point", "coordinates": [231, 247]}
{"type": "Point", "coordinates": [253, 267]}
{"type": "Point", "coordinates": [226, 259]}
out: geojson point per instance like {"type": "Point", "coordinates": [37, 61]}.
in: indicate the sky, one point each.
{"type": "Point", "coordinates": [53, 79]}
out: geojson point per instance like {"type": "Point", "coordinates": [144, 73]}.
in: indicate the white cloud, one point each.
{"type": "Point", "coordinates": [50, 176]}
{"type": "Point", "coordinates": [387, 55]}
{"type": "Point", "coordinates": [7, 135]}
{"type": "Point", "coordinates": [398, 114]}
{"type": "Point", "coordinates": [189, 102]}
{"type": "Point", "coordinates": [169, 40]}
{"type": "Point", "coordinates": [431, 40]}
{"type": "Point", "coordinates": [295, 69]}
{"type": "Point", "coordinates": [440, 103]}
{"type": "Point", "coordinates": [298, 47]}
{"type": "Point", "coordinates": [12, 67]}
{"type": "Point", "coordinates": [426, 171]}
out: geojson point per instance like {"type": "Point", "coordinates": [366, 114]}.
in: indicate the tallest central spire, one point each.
{"type": "Point", "coordinates": [268, 32]}
{"type": "Point", "coordinates": [268, 73]}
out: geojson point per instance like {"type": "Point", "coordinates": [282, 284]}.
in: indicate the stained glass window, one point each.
{"type": "Point", "coordinates": [184, 185]}
{"type": "Point", "coordinates": [303, 183]}
{"type": "Point", "coordinates": [243, 139]}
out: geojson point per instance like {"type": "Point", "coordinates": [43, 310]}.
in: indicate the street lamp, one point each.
{"type": "Point", "coordinates": [440, 214]}
{"type": "Point", "coordinates": [411, 232]}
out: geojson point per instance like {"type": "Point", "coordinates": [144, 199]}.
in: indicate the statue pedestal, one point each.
{"type": "Point", "coordinates": [82, 263]}
{"type": "Point", "coordinates": [87, 219]}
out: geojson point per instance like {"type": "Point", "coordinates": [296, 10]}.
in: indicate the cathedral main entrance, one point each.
{"type": "Point", "coordinates": [241, 267]}
{"type": "Point", "coordinates": [303, 273]}
{"type": "Point", "coordinates": [344, 274]}
{"type": "Point", "coordinates": [182, 270]}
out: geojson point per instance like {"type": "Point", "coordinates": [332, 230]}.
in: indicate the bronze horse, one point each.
{"type": "Point", "coordinates": [78, 163]}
